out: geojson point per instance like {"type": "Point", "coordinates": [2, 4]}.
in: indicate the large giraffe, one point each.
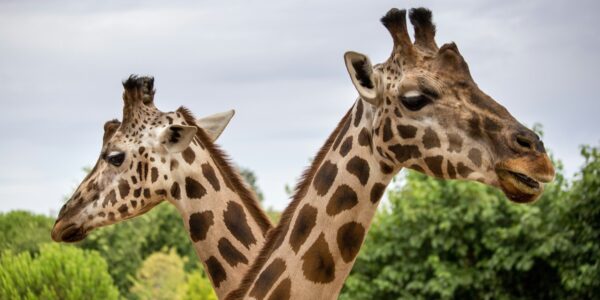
{"type": "Point", "coordinates": [420, 109]}
{"type": "Point", "coordinates": [154, 156]}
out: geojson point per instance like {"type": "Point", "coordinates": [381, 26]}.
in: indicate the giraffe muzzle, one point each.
{"type": "Point", "coordinates": [69, 234]}
{"type": "Point", "coordinates": [522, 179]}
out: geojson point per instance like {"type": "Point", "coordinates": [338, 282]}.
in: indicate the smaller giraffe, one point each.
{"type": "Point", "coordinates": [420, 109]}
{"type": "Point", "coordinates": [153, 156]}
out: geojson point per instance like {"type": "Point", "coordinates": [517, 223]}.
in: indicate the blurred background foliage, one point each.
{"type": "Point", "coordinates": [433, 239]}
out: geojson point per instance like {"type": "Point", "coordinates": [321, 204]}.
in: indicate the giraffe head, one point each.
{"type": "Point", "coordinates": [430, 115]}
{"type": "Point", "coordinates": [135, 164]}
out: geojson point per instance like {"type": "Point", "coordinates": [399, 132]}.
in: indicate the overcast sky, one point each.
{"type": "Point", "coordinates": [278, 63]}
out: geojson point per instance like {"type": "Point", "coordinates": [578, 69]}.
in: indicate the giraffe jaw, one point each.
{"type": "Point", "coordinates": [519, 187]}
{"type": "Point", "coordinates": [68, 234]}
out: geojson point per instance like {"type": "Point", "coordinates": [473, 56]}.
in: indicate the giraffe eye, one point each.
{"type": "Point", "coordinates": [115, 158]}
{"type": "Point", "coordinates": [414, 102]}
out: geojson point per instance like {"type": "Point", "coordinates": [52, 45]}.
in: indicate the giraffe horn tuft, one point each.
{"type": "Point", "coordinates": [395, 22]}
{"type": "Point", "coordinates": [138, 88]}
{"type": "Point", "coordinates": [421, 19]}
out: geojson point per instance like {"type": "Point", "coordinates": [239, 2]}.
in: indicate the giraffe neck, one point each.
{"type": "Point", "coordinates": [218, 212]}
{"type": "Point", "coordinates": [311, 252]}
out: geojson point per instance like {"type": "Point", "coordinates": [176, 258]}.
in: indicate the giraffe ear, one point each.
{"type": "Point", "coordinates": [176, 138]}
{"type": "Point", "coordinates": [361, 73]}
{"type": "Point", "coordinates": [214, 125]}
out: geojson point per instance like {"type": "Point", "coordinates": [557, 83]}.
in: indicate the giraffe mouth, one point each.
{"type": "Point", "coordinates": [70, 234]}
{"type": "Point", "coordinates": [519, 187]}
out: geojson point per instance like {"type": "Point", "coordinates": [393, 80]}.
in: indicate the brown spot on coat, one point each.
{"type": "Point", "coordinates": [140, 171]}
{"type": "Point", "coordinates": [111, 197]}
{"type": "Point", "coordinates": [123, 210]}
{"type": "Point", "coordinates": [188, 155]}
{"type": "Point", "coordinates": [385, 168]}
{"type": "Point", "coordinates": [193, 188]}
{"type": "Point", "coordinates": [216, 271]}
{"type": "Point", "coordinates": [364, 138]}
{"type": "Point", "coordinates": [405, 152]}
{"type": "Point", "coordinates": [377, 192]}
{"type": "Point", "coordinates": [434, 164]}
{"type": "Point", "coordinates": [417, 168]}
{"type": "Point", "coordinates": [230, 253]}
{"type": "Point", "coordinates": [475, 156]}
{"type": "Point", "coordinates": [349, 239]}
{"type": "Point", "coordinates": [154, 174]}
{"type": "Point", "coordinates": [235, 221]}
{"type": "Point", "coordinates": [387, 130]}
{"type": "Point", "coordinates": [346, 146]}
{"type": "Point", "coordinates": [174, 164]}
{"type": "Point", "coordinates": [474, 126]}
{"type": "Point", "coordinates": [200, 223]}
{"type": "Point", "coordinates": [454, 142]}
{"type": "Point", "coordinates": [342, 199]}
{"type": "Point", "coordinates": [407, 131]}
{"type": "Point", "coordinates": [431, 139]}
{"type": "Point", "coordinates": [490, 125]}
{"type": "Point", "coordinates": [359, 112]}
{"type": "Point", "coordinates": [267, 279]}
{"type": "Point", "coordinates": [325, 177]}
{"type": "Point", "coordinates": [317, 262]}
{"type": "Point", "coordinates": [305, 222]}
{"type": "Point", "coordinates": [175, 191]}
{"type": "Point", "coordinates": [451, 170]}
{"type": "Point", "coordinates": [282, 291]}
{"type": "Point", "coordinates": [359, 168]}
{"type": "Point", "coordinates": [209, 174]}
{"type": "Point", "coordinates": [463, 170]}
{"type": "Point", "coordinates": [123, 188]}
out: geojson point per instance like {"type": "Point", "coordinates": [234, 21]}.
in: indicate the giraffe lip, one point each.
{"type": "Point", "coordinates": [530, 182]}
{"type": "Point", "coordinates": [519, 187]}
{"type": "Point", "coordinates": [72, 233]}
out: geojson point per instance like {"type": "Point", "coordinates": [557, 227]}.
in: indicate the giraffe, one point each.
{"type": "Point", "coordinates": [153, 156]}
{"type": "Point", "coordinates": [420, 109]}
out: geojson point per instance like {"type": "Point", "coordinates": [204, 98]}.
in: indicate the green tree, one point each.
{"type": "Point", "coordinates": [198, 287]}
{"type": "Point", "coordinates": [168, 232]}
{"type": "Point", "coordinates": [455, 240]}
{"type": "Point", "coordinates": [578, 223]}
{"type": "Point", "coordinates": [24, 231]}
{"type": "Point", "coordinates": [57, 272]}
{"type": "Point", "coordinates": [127, 244]}
{"type": "Point", "coordinates": [121, 246]}
{"type": "Point", "coordinates": [160, 277]}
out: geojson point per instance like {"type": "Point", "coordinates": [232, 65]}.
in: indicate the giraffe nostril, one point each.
{"type": "Point", "coordinates": [524, 142]}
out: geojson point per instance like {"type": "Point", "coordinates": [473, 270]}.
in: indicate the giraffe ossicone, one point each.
{"type": "Point", "coordinates": [420, 109]}
{"type": "Point", "coordinates": [153, 156]}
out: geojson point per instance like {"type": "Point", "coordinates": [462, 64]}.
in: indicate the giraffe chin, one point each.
{"type": "Point", "coordinates": [69, 234]}
{"type": "Point", "coordinates": [519, 187]}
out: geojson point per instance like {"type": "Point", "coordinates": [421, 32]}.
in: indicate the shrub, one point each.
{"type": "Point", "coordinates": [57, 272]}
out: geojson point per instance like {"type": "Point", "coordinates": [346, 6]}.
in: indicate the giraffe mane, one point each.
{"type": "Point", "coordinates": [274, 236]}
{"type": "Point", "coordinates": [223, 163]}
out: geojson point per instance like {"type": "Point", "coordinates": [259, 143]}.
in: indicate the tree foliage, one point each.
{"type": "Point", "coordinates": [127, 244]}
{"type": "Point", "coordinates": [24, 231]}
{"type": "Point", "coordinates": [160, 277]}
{"type": "Point", "coordinates": [456, 240]}
{"type": "Point", "coordinates": [57, 272]}
{"type": "Point", "coordinates": [198, 287]}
